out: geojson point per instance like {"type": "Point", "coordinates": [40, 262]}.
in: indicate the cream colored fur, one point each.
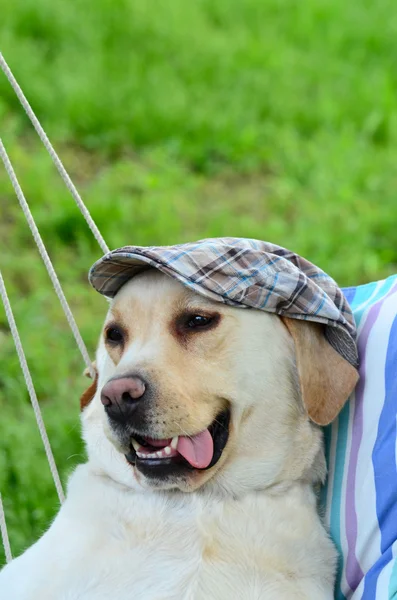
{"type": "Point", "coordinates": [245, 529]}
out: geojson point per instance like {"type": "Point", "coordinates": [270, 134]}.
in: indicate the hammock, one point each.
{"type": "Point", "coordinates": [54, 279]}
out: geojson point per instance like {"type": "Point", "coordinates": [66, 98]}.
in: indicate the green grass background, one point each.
{"type": "Point", "coordinates": [178, 120]}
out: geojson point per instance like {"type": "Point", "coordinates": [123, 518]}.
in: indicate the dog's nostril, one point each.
{"type": "Point", "coordinates": [105, 400]}
{"type": "Point", "coordinates": [135, 390]}
{"type": "Point", "coordinates": [126, 397]}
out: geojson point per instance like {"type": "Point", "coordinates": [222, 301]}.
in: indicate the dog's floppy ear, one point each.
{"type": "Point", "coordinates": [326, 378]}
{"type": "Point", "coordinates": [89, 393]}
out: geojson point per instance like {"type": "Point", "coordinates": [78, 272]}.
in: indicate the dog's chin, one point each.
{"type": "Point", "coordinates": [167, 472]}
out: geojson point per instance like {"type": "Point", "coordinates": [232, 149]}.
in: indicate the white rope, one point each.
{"type": "Point", "coordinates": [4, 533]}
{"type": "Point", "coordinates": [30, 387]}
{"type": "Point", "coordinates": [57, 286]}
{"type": "Point", "coordinates": [46, 259]}
{"type": "Point", "coordinates": [57, 161]}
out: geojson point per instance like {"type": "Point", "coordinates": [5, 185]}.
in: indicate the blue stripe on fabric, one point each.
{"type": "Point", "coordinates": [349, 294]}
{"type": "Point", "coordinates": [270, 290]}
{"type": "Point", "coordinates": [321, 304]}
{"type": "Point", "coordinates": [385, 447]}
{"type": "Point", "coordinates": [371, 577]}
{"type": "Point", "coordinates": [384, 463]}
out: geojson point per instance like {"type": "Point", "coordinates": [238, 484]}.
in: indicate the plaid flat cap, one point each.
{"type": "Point", "coordinates": [241, 272]}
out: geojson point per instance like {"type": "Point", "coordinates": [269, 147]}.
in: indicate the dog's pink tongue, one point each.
{"type": "Point", "coordinates": [198, 450]}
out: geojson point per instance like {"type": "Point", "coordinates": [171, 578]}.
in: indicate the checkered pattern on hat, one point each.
{"type": "Point", "coordinates": [244, 273]}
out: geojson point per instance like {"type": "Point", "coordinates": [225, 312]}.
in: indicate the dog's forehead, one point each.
{"type": "Point", "coordinates": [152, 288]}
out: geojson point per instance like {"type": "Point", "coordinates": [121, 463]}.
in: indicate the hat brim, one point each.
{"type": "Point", "coordinates": [108, 275]}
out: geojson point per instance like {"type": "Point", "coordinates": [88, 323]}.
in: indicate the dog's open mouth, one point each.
{"type": "Point", "coordinates": [201, 451]}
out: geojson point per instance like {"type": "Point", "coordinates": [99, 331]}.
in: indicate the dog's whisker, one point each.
{"type": "Point", "coordinates": [220, 424]}
{"type": "Point", "coordinates": [75, 456]}
{"type": "Point", "coordinates": [185, 433]}
{"type": "Point", "coordinates": [74, 427]}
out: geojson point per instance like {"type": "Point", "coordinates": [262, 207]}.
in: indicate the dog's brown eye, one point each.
{"type": "Point", "coordinates": [196, 321]}
{"type": "Point", "coordinates": [114, 335]}
{"type": "Point", "coordinates": [191, 323]}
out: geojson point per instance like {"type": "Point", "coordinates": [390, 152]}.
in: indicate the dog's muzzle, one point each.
{"type": "Point", "coordinates": [126, 400]}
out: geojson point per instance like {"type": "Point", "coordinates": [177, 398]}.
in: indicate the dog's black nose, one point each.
{"type": "Point", "coordinates": [120, 396]}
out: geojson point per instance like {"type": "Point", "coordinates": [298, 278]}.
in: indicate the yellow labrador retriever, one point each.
{"type": "Point", "coordinates": [204, 450]}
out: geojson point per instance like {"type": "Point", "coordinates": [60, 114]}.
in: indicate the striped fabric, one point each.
{"type": "Point", "coordinates": [361, 493]}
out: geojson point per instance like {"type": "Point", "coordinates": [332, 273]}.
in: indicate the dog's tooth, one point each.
{"type": "Point", "coordinates": [135, 444]}
{"type": "Point", "coordinates": [174, 442]}
{"type": "Point", "coordinates": [159, 453]}
{"type": "Point", "coordinates": [167, 450]}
